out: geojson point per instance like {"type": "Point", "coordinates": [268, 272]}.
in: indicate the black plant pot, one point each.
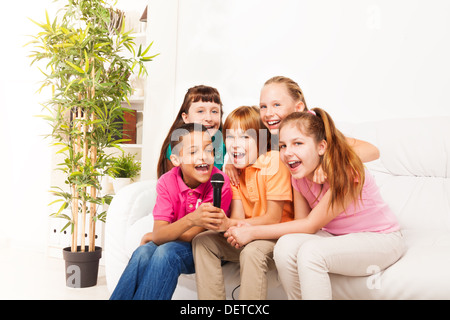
{"type": "Point", "coordinates": [81, 267]}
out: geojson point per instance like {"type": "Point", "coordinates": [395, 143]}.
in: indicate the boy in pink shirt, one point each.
{"type": "Point", "coordinates": [183, 209]}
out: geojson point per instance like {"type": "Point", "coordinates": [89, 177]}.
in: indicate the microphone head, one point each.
{"type": "Point", "coordinates": [217, 180]}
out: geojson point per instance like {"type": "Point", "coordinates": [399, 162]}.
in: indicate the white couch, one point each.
{"type": "Point", "coordinates": [413, 173]}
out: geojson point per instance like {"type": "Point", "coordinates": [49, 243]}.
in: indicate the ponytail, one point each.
{"type": "Point", "coordinates": [344, 169]}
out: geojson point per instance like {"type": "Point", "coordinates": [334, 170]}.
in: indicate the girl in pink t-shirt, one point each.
{"type": "Point", "coordinates": [342, 226]}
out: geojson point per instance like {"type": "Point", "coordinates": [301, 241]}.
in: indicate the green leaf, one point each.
{"type": "Point", "coordinates": [62, 150]}
{"type": "Point", "coordinates": [75, 67]}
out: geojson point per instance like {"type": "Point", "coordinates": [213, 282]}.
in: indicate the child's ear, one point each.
{"type": "Point", "coordinates": [175, 160]}
{"type": "Point", "coordinates": [184, 116]}
{"type": "Point", "coordinates": [322, 147]}
{"type": "Point", "coordinates": [300, 106]}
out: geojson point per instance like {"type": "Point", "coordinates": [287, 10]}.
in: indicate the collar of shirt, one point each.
{"type": "Point", "coordinates": [191, 197]}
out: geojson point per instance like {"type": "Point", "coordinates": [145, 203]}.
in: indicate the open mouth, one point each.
{"type": "Point", "coordinates": [294, 164]}
{"type": "Point", "coordinates": [238, 155]}
{"type": "Point", "coordinates": [210, 127]}
{"type": "Point", "coordinates": [203, 168]}
{"type": "Point", "coordinates": [273, 123]}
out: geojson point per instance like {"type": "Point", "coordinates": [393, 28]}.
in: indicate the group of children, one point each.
{"type": "Point", "coordinates": [296, 197]}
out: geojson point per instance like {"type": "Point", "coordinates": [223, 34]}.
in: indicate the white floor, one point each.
{"type": "Point", "coordinates": [29, 275]}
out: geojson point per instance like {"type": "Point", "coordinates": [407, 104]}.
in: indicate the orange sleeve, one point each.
{"type": "Point", "coordinates": [278, 181]}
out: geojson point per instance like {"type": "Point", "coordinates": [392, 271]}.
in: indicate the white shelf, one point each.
{"type": "Point", "coordinates": [130, 146]}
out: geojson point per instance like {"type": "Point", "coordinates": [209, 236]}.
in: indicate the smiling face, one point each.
{"type": "Point", "coordinates": [299, 152]}
{"type": "Point", "coordinates": [242, 146]}
{"type": "Point", "coordinates": [194, 155]}
{"type": "Point", "coordinates": [205, 113]}
{"type": "Point", "coordinates": [276, 104]}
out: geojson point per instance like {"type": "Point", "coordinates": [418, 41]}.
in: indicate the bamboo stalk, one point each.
{"type": "Point", "coordinates": [93, 154]}
{"type": "Point", "coordinates": [93, 207]}
{"type": "Point", "coordinates": [74, 200]}
{"type": "Point", "coordinates": [79, 150]}
{"type": "Point", "coordinates": [84, 206]}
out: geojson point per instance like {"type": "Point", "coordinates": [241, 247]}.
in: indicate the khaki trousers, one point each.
{"type": "Point", "coordinates": [255, 259]}
{"type": "Point", "coordinates": [304, 261]}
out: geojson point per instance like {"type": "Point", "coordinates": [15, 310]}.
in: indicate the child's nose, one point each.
{"type": "Point", "coordinates": [269, 111]}
{"type": "Point", "coordinates": [287, 151]}
{"type": "Point", "coordinates": [208, 116]}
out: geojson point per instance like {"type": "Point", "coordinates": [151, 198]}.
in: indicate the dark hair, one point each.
{"type": "Point", "coordinates": [185, 129]}
{"type": "Point", "coordinates": [194, 94]}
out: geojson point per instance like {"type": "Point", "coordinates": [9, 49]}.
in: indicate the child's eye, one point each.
{"type": "Point", "coordinates": [282, 146]}
{"type": "Point", "coordinates": [277, 104]}
{"type": "Point", "coordinates": [262, 107]}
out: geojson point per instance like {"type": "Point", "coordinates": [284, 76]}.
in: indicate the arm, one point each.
{"type": "Point", "coordinates": [233, 173]}
{"type": "Point", "coordinates": [319, 217]}
{"type": "Point", "coordinates": [206, 216]}
{"type": "Point", "coordinates": [301, 206]}
{"type": "Point", "coordinates": [273, 215]}
{"type": "Point", "coordinates": [366, 151]}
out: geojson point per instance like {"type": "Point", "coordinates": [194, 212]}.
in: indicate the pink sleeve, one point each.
{"type": "Point", "coordinates": [294, 184]}
{"type": "Point", "coordinates": [163, 209]}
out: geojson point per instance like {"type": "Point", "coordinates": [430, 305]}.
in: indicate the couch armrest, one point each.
{"type": "Point", "coordinates": [130, 204]}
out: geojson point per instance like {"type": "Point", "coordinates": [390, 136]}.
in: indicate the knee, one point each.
{"type": "Point", "coordinates": [164, 257]}
{"type": "Point", "coordinates": [281, 251]}
{"type": "Point", "coordinates": [310, 255]}
{"type": "Point", "coordinates": [204, 240]}
{"type": "Point", "coordinates": [285, 250]}
{"type": "Point", "coordinates": [144, 253]}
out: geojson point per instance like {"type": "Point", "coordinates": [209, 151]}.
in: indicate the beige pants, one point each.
{"type": "Point", "coordinates": [255, 259]}
{"type": "Point", "coordinates": [303, 261]}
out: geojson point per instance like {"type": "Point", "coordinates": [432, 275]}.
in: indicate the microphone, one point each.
{"type": "Point", "coordinates": [217, 181]}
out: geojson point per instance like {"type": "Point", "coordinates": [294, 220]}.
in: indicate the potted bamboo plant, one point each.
{"type": "Point", "coordinates": [90, 58]}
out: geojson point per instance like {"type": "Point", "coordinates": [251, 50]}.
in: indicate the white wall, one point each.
{"type": "Point", "coordinates": [25, 156]}
{"type": "Point", "coordinates": [360, 60]}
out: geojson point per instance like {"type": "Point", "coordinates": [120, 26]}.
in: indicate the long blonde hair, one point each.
{"type": "Point", "coordinates": [344, 169]}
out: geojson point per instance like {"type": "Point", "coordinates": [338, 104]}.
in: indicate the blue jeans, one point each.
{"type": "Point", "coordinates": [152, 272]}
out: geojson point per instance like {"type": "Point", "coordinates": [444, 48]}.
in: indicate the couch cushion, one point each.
{"type": "Point", "coordinates": [422, 273]}
{"type": "Point", "coordinates": [413, 171]}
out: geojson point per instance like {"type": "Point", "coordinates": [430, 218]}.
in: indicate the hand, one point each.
{"type": "Point", "coordinates": [233, 173]}
{"type": "Point", "coordinates": [146, 238]}
{"type": "Point", "coordinates": [238, 236]}
{"type": "Point", "coordinates": [207, 216]}
{"type": "Point", "coordinates": [320, 176]}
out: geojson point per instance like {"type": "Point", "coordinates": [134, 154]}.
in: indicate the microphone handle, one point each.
{"type": "Point", "coordinates": [217, 196]}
